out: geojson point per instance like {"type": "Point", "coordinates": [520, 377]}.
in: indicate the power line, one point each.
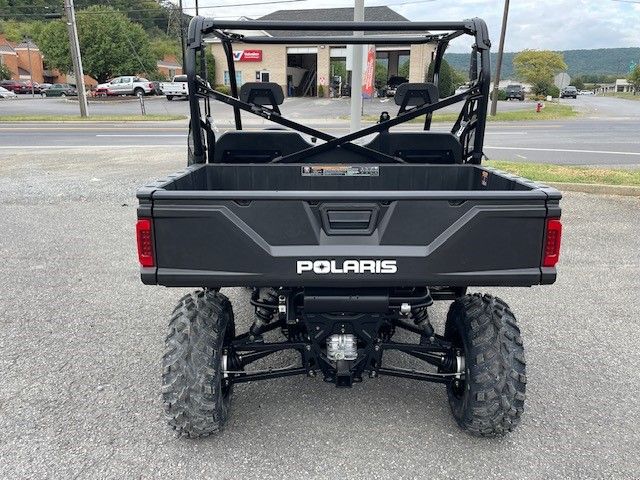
{"type": "Point", "coordinates": [142, 10]}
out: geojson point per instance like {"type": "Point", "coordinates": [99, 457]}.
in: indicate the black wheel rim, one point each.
{"type": "Point", "coordinates": [458, 386]}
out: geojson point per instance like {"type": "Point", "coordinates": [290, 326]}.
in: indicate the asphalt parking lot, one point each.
{"type": "Point", "coordinates": [82, 339]}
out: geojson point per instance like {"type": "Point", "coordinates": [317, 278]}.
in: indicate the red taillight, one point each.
{"type": "Point", "coordinates": [552, 243]}
{"type": "Point", "coordinates": [145, 242]}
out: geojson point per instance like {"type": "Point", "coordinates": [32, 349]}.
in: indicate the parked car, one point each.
{"type": "Point", "coordinates": [585, 92]}
{"type": "Point", "coordinates": [35, 89]}
{"type": "Point", "coordinates": [14, 86]}
{"type": "Point", "coordinates": [176, 88]}
{"type": "Point", "coordinates": [392, 85]}
{"type": "Point", "coordinates": [61, 90]}
{"type": "Point", "coordinates": [569, 92]}
{"type": "Point", "coordinates": [126, 86]}
{"type": "Point", "coordinates": [4, 93]}
{"type": "Point", "coordinates": [515, 92]}
{"type": "Point", "coordinates": [44, 86]}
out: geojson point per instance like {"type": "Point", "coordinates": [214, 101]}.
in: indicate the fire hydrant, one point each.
{"type": "Point", "coordinates": [539, 107]}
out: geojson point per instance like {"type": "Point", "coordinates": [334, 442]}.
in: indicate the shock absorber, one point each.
{"type": "Point", "coordinates": [265, 301]}
{"type": "Point", "coordinates": [421, 320]}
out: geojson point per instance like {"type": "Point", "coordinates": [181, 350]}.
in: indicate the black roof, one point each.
{"type": "Point", "coordinates": [379, 14]}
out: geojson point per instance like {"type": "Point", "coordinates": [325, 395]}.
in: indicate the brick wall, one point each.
{"type": "Point", "coordinates": [37, 67]}
{"type": "Point", "coordinates": [274, 60]}
{"type": "Point", "coordinates": [10, 60]}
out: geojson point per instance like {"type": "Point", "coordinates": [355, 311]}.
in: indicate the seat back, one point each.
{"type": "Point", "coordinates": [419, 147]}
{"type": "Point", "coordinates": [262, 93]}
{"type": "Point", "coordinates": [416, 94]}
{"type": "Point", "coordinates": [257, 147]}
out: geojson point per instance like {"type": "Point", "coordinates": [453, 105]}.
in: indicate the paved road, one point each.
{"type": "Point", "coordinates": [592, 142]}
{"type": "Point", "coordinates": [82, 338]}
{"type": "Point", "coordinates": [607, 134]}
{"type": "Point", "coordinates": [300, 107]}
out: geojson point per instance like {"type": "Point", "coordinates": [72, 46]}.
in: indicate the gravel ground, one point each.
{"type": "Point", "coordinates": [82, 340]}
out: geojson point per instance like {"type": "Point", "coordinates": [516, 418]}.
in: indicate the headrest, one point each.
{"type": "Point", "coordinates": [262, 93]}
{"type": "Point", "coordinates": [416, 94]}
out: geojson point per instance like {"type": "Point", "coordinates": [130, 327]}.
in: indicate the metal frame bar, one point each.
{"type": "Point", "coordinates": [466, 26]}
{"type": "Point", "coordinates": [274, 116]}
{"type": "Point", "coordinates": [379, 127]}
{"type": "Point", "coordinates": [200, 27]}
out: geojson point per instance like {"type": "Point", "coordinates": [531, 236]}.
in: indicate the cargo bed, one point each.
{"type": "Point", "coordinates": [252, 224]}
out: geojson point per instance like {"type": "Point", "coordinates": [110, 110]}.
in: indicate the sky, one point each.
{"type": "Point", "coordinates": [538, 24]}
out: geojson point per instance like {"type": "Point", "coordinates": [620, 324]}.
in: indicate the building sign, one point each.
{"type": "Point", "coordinates": [369, 73]}
{"type": "Point", "coordinates": [247, 55]}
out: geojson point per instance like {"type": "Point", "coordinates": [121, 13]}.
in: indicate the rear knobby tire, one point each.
{"type": "Point", "coordinates": [196, 401]}
{"type": "Point", "coordinates": [490, 400]}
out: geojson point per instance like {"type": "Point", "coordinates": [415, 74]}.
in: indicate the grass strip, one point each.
{"type": "Point", "coordinates": [93, 118]}
{"type": "Point", "coordinates": [569, 174]}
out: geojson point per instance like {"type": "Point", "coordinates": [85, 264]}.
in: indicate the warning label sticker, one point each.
{"type": "Point", "coordinates": [340, 171]}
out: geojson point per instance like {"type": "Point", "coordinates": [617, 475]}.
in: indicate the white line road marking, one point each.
{"type": "Point", "coordinates": [567, 150]}
{"type": "Point", "coordinates": [505, 133]}
{"type": "Point", "coordinates": [521, 156]}
{"type": "Point", "coordinates": [141, 135]}
{"type": "Point", "coordinates": [84, 147]}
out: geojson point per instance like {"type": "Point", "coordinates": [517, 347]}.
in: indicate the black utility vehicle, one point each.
{"type": "Point", "coordinates": [392, 85]}
{"type": "Point", "coordinates": [345, 245]}
{"type": "Point", "coordinates": [569, 92]}
{"type": "Point", "coordinates": [515, 92]}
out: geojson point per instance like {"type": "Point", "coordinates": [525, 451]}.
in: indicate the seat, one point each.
{"type": "Point", "coordinates": [415, 95]}
{"type": "Point", "coordinates": [262, 93]}
{"type": "Point", "coordinates": [419, 147]}
{"type": "Point", "coordinates": [257, 147]}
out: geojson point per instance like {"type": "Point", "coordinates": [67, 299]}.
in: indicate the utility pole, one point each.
{"type": "Point", "coordinates": [197, 11]}
{"type": "Point", "coordinates": [75, 56]}
{"type": "Point", "coordinates": [28, 42]}
{"type": "Point", "coordinates": [356, 71]}
{"type": "Point", "coordinates": [496, 82]}
{"type": "Point", "coordinates": [182, 42]}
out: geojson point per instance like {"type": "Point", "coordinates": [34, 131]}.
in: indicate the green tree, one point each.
{"type": "Point", "coordinates": [634, 79]}
{"type": "Point", "coordinates": [382, 73]}
{"type": "Point", "coordinates": [538, 67]}
{"type": "Point", "coordinates": [163, 46]}
{"type": "Point", "coordinates": [578, 82]}
{"type": "Point", "coordinates": [448, 80]}
{"type": "Point", "coordinates": [403, 69]}
{"type": "Point", "coordinates": [5, 73]}
{"type": "Point", "coordinates": [110, 44]}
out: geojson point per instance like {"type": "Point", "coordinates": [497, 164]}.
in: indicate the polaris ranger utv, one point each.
{"type": "Point", "coordinates": [344, 244]}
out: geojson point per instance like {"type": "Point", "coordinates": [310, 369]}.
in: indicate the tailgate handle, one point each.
{"type": "Point", "coordinates": [349, 219]}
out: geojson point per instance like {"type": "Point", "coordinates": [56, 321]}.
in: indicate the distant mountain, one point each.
{"type": "Point", "coordinates": [601, 61]}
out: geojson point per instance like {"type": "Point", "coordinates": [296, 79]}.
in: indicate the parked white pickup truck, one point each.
{"type": "Point", "coordinates": [177, 88]}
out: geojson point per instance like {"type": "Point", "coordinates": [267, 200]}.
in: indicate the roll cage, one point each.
{"type": "Point", "coordinates": [468, 128]}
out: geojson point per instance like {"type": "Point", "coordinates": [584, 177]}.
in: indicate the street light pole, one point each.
{"type": "Point", "coordinates": [496, 82]}
{"type": "Point", "coordinates": [75, 56]}
{"type": "Point", "coordinates": [356, 71]}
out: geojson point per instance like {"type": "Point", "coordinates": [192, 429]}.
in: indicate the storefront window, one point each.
{"type": "Point", "coordinates": [227, 78]}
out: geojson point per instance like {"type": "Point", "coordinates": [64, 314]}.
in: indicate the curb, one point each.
{"type": "Point", "coordinates": [597, 188]}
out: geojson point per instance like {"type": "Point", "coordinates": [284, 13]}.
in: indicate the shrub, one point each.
{"type": "Point", "coordinates": [321, 91]}
{"type": "Point", "coordinates": [546, 88]}
{"type": "Point", "coordinates": [5, 73]}
{"type": "Point", "coordinates": [223, 89]}
{"type": "Point", "coordinates": [502, 94]}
